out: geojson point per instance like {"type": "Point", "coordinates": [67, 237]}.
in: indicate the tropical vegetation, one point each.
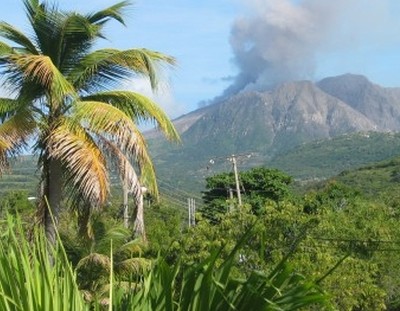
{"type": "Point", "coordinates": [315, 245]}
{"type": "Point", "coordinates": [331, 245]}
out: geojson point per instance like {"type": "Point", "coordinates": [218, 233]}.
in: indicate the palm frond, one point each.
{"type": "Point", "coordinates": [5, 49]}
{"type": "Point", "coordinates": [125, 169]}
{"type": "Point", "coordinates": [95, 259]}
{"type": "Point", "coordinates": [9, 32]}
{"type": "Point", "coordinates": [104, 119]}
{"type": "Point", "coordinates": [113, 12]}
{"type": "Point", "coordinates": [75, 37]}
{"type": "Point", "coordinates": [41, 70]}
{"type": "Point", "coordinates": [31, 7]}
{"type": "Point", "coordinates": [138, 107]}
{"type": "Point", "coordinates": [83, 159]}
{"type": "Point", "coordinates": [131, 266]}
{"type": "Point", "coordinates": [150, 60]}
{"type": "Point", "coordinates": [117, 234]}
{"type": "Point", "coordinates": [133, 247]}
{"type": "Point", "coordinates": [148, 177]}
{"type": "Point", "coordinates": [14, 133]}
{"type": "Point", "coordinates": [111, 66]}
{"type": "Point", "coordinates": [8, 107]}
{"type": "Point", "coordinates": [45, 21]}
{"type": "Point", "coordinates": [107, 121]}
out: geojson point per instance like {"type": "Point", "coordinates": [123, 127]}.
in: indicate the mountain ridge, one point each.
{"type": "Point", "coordinates": [301, 109]}
{"type": "Point", "coordinates": [270, 123]}
{"type": "Point", "coordinates": [354, 91]}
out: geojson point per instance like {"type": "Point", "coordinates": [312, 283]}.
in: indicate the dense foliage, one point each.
{"type": "Point", "coordinates": [334, 232]}
{"type": "Point", "coordinates": [257, 185]}
{"type": "Point", "coordinates": [337, 236]}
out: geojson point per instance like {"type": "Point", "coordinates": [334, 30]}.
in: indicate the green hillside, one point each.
{"type": "Point", "coordinates": [22, 175]}
{"type": "Point", "coordinates": [377, 180]}
{"type": "Point", "coordinates": [316, 160]}
{"type": "Point", "coordinates": [322, 159]}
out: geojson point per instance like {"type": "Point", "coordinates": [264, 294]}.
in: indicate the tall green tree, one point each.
{"type": "Point", "coordinates": [258, 185]}
{"type": "Point", "coordinates": [64, 97]}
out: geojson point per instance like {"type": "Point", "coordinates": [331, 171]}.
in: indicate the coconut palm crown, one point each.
{"type": "Point", "coordinates": [63, 96]}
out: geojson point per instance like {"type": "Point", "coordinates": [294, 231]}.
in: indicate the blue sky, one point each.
{"type": "Point", "coordinates": [353, 37]}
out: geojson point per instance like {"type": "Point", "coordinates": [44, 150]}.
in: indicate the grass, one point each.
{"type": "Point", "coordinates": [29, 281]}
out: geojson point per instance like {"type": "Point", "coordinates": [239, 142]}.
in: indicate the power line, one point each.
{"type": "Point", "coordinates": [234, 159]}
{"type": "Point", "coordinates": [180, 200]}
{"type": "Point", "coordinates": [356, 240]}
{"type": "Point", "coordinates": [177, 190]}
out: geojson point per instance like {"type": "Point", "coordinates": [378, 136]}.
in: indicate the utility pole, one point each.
{"type": "Point", "coordinates": [233, 159]}
{"type": "Point", "coordinates": [192, 212]}
{"type": "Point", "coordinates": [230, 200]}
{"type": "Point", "coordinates": [235, 171]}
{"type": "Point", "coordinates": [189, 212]}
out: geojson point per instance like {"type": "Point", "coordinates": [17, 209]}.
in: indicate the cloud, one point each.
{"type": "Point", "coordinates": [208, 80]}
{"type": "Point", "coordinates": [281, 40]}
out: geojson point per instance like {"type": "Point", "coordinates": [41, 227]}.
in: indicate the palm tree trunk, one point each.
{"type": "Point", "coordinates": [125, 203]}
{"type": "Point", "coordinates": [52, 196]}
{"type": "Point", "coordinates": [138, 228]}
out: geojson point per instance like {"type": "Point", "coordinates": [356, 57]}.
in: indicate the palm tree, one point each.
{"type": "Point", "coordinates": [63, 97]}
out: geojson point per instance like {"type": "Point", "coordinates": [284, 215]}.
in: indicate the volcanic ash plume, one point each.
{"type": "Point", "coordinates": [277, 41]}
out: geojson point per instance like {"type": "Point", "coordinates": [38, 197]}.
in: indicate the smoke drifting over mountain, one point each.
{"type": "Point", "coordinates": [284, 40]}
{"type": "Point", "coordinates": [278, 40]}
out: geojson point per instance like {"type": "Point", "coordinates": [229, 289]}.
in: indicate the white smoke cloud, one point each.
{"type": "Point", "coordinates": [279, 40]}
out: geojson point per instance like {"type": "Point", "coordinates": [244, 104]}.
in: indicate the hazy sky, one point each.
{"type": "Point", "coordinates": [225, 46]}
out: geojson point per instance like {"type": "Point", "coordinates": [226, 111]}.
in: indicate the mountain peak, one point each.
{"type": "Point", "coordinates": [293, 113]}
{"type": "Point", "coordinates": [347, 78]}
{"type": "Point", "coordinates": [379, 104]}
